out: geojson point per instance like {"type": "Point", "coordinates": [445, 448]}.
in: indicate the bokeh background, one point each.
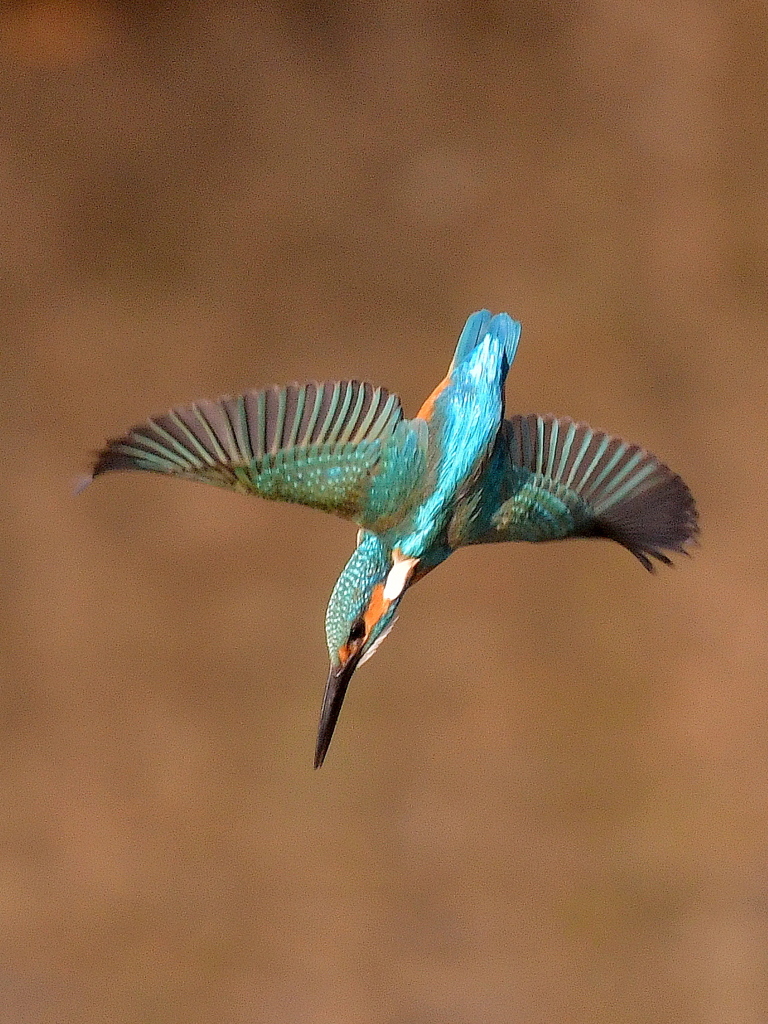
{"type": "Point", "coordinates": [547, 800]}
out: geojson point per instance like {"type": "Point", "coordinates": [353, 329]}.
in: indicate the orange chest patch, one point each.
{"type": "Point", "coordinates": [376, 608]}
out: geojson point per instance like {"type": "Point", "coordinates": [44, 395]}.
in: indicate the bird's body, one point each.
{"type": "Point", "coordinates": [457, 474]}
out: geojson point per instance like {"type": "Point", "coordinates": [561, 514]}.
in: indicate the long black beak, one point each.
{"type": "Point", "coordinates": [333, 698]}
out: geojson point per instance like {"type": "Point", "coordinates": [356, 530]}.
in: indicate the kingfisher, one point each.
{"type": "Point", "coordinates": [458, 473]}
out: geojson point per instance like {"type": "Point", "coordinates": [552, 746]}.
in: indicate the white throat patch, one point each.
{"type": "Point", "coordinates": [398, 576]}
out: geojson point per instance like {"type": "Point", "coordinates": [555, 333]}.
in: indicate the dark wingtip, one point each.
{"type": "Point", "coordinates": [104, 459]}
{"type": "Point", "coordinates": [109, 458]}
{"type": "Point", "coordinates": [661, 519]}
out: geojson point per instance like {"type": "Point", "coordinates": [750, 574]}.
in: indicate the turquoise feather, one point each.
{"type": "Point", "coordinates": [553, 478]}
{"type": "Point", "coordinates": [315, 444]}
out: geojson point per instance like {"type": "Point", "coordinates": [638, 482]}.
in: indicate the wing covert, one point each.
{"type": "Point", "coordinates": [321, 445]}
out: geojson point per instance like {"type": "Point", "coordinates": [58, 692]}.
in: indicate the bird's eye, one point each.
{"type": "Point", "coordinates": [357, 632]}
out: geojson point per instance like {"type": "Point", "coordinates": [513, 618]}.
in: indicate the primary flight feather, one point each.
{"type": "Point", "coordinates": [458, 473]}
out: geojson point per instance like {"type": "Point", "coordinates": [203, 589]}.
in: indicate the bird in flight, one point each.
{"type": "Point", "coordinates": [458, 473]}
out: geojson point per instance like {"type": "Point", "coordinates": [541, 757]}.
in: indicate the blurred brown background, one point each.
{"type": "Point", "coordinates": [547, 800]}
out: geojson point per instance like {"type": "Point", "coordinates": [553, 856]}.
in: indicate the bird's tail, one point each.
{"type": "Point", "coordinates": [478, 326]}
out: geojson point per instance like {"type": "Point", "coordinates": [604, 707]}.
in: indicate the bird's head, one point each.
{"type": "Point", "coordinates": [361, 612]}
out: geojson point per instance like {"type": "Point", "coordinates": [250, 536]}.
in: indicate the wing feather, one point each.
{"type": "Point", "coordinates": [316, 444]}
{"type": "Point", "coordinates": [552, 478]}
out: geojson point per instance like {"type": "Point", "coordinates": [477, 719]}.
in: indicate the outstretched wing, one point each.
{"type": "Point", "coordinates": [553, 478]}
{"type": "Point", "coordinates": [342, 447]}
